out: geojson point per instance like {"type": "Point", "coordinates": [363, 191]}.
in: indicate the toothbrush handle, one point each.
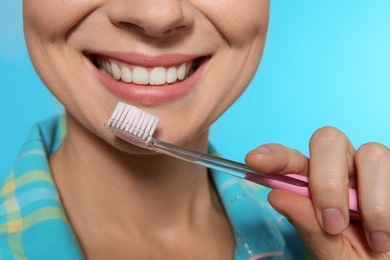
{"type": "Point", "coordinates": [217, 163]}
{"type": "Point", "coordinates": [301, 190]}
{"type": "Point", "coordinates": [291, 182]}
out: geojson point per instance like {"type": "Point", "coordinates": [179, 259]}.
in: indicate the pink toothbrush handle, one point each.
{"type": "Point", "coordinates": [302, 190]}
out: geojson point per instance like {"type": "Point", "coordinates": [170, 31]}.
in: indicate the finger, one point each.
{"type": "Point", "coordinates": [373, 166]}
{"type": "Point", "coordinates": [331, 163]}
{"type": "Point", "coordinates": [300, 212]}
{"type": "Point", "coordinates": [276, 158]}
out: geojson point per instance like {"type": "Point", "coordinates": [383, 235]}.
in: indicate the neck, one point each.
{"type": "Point", "coordinates": [100, 184]}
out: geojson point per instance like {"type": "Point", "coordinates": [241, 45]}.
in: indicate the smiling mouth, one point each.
{"type": "Point", "coordinates": [154, 76]}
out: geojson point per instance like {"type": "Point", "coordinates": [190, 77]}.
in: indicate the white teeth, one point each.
{"type": "Point", "coordinates": [116, 71]}
{"type": "Point", "coordinates": [126, 75]}
{"type": "Point", "coordinates": [144, 76]}
{"type": "Point", "coordinates": [108, 67]}
{"type": "Point", "coordinates": [158, 76]}
{"type": "Point", "coordinates": [140, 75]}
{"type": "Point", "coordinates": [171, 75]}
{"type": "Point", "coordinates": [181, 72]}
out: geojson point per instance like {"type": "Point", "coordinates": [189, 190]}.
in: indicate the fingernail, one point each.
{"type": "Point", "coordinates": [380, 241]}
{"type": "Point", "coordinates": [333, 220]}
{"type": "Point", "coordinates": [263, 149]}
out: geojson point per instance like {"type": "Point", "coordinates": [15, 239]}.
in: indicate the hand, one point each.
{"type": "Point", "coordinates": [323, 220]}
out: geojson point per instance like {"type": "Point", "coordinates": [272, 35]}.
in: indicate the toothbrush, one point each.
{"type": "Point", "coordinates": [137, 127]}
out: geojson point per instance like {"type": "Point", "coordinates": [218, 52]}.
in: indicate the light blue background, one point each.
{"type": "Point", "coordinates": [325, 63]}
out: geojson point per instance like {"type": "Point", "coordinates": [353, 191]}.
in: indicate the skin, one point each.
{"type": "Point", "coordinates": [167, 207]}
{"type": "Point", "coordinates": [333, 236]}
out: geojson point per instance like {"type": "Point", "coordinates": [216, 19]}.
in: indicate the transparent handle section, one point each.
{"type": "Point", "coordinates": [217, 163]}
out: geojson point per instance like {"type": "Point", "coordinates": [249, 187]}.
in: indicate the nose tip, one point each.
{"type": "Point", "coordinates": [153, 18]}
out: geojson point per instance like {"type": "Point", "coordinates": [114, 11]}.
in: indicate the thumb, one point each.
{"type": "Point", "coordinates": [276, 158]}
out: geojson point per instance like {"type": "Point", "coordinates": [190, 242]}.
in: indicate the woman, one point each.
{"type": "Point", "coordinates": [185, 62]}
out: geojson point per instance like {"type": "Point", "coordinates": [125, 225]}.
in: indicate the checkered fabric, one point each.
{"type": "Point", "coordinates": [32, 221]}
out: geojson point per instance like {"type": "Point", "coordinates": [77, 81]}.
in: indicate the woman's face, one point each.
{"type": "Point", "coordinates": [185, 61]}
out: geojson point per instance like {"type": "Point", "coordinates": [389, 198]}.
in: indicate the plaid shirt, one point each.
{"type": "Point", "coordinates": [33, 223]}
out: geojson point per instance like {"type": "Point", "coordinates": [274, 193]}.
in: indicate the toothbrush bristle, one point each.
{"type": "Point", "coordinates": [132, 124]}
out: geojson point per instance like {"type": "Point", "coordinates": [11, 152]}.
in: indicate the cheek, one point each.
{"type": "Point", "coordinates": [54, 19]}
{"type": "Point", "coordinates": [241, 21]}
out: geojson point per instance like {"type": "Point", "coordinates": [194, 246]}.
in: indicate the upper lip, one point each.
{"type": "Point", "coordinates": [164, 60]}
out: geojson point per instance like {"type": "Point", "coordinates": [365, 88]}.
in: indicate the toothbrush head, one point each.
{"type": "Point", "coordinates": [132, 125]}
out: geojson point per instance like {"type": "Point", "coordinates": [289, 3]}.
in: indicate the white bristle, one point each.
{"type": "Point", "coordinates": [134, 121]}
{"type": "Point", "coordinates": [125, 114]}
{"type": "Point", "coordinates": [148, 124]}
{"type": "Point", "coordinates": [116, 113]}
{"type": "Point", "coordinates": [129, 119]}
{"type": "Point", "coordinates": [121, 115]}
{"type": "Point", "coordinates": [154, 126]}
{"type": "Point", "coordinates": [145, 121]}
{"type": "Point", "coordinates": [139, 123]}
{"type": "Point", "coordinates": [132, 115]}
{"type": "Point", "coordinates": [117, 108]}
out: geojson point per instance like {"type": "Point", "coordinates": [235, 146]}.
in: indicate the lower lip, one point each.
{"type": "Point", "coordinates": [150, 95]}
